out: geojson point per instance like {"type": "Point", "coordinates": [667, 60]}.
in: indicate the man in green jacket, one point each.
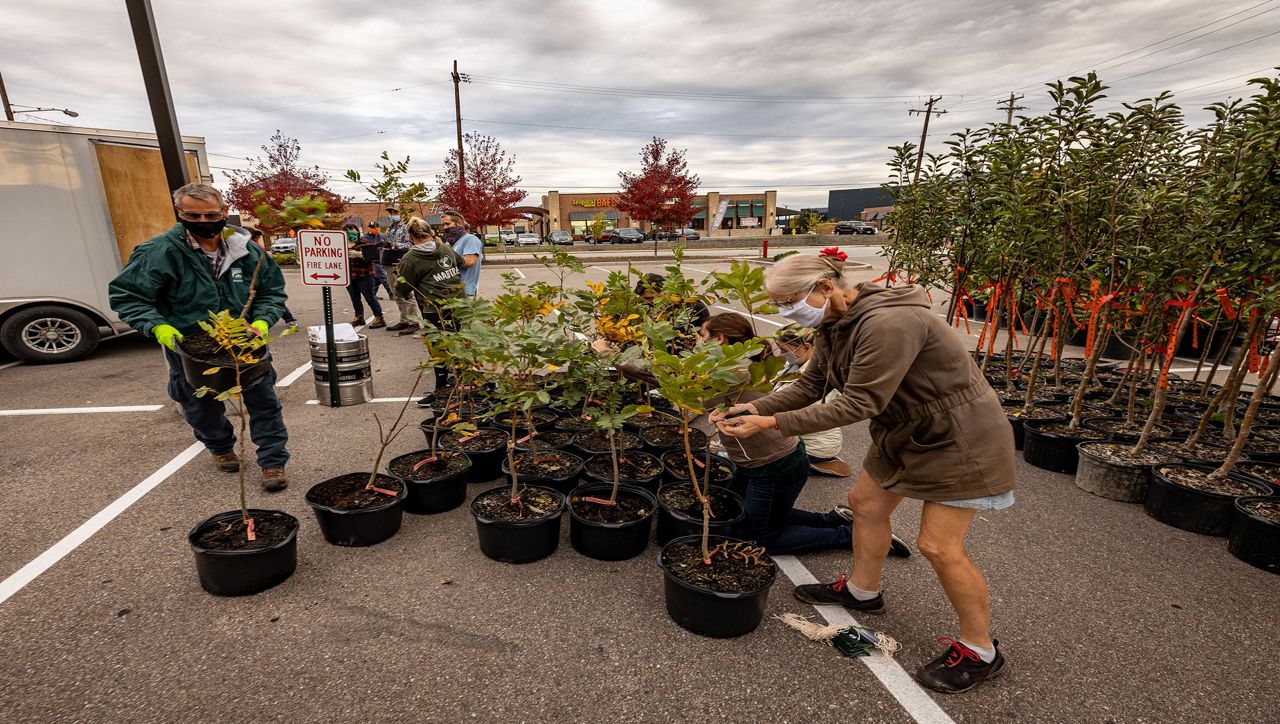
{"type": "Point", "coordinates": [172, 282]}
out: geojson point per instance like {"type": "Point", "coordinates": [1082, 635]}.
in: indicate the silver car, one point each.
{"type": "Point", "coordinates": [527, 240]}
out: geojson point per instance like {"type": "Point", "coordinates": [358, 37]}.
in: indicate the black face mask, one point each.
{"type": "Point", "coordinates": [204, 229]}
{"type": "Point", "coordinates": [453, 233]}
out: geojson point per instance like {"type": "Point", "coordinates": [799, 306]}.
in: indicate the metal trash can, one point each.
{"type": "Point", "coordinates": [355, 375]}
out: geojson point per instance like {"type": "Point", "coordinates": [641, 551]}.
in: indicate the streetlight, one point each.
{"type": "Point", "coordinates": [64, 111]}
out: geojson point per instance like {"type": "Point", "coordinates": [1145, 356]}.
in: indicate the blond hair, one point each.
{"type": "Point", "coordinates": [799, 272]}
{"type": "Point", "coordinates": [419, 229]}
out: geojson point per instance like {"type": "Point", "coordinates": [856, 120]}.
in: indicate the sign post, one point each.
{"type": "Point", "coordinates": [322, 256]}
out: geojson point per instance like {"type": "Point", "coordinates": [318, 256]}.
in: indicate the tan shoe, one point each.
{"type": "Point", "coordinates": [227, 462]}
{"type": "Point", "coordinates": [836, 468]}
{"type": "Point", "coordinates": [274, 480]}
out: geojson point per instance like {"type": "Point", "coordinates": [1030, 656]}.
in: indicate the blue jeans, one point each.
{"type": "Point", "coordinates": [208, 420]}
{"type": "Point", "coordinates": [769, 492]}
{"type": "Point", "coordinates": [364, 287]}
{"type": "Point", "coordinates": [380, 274]}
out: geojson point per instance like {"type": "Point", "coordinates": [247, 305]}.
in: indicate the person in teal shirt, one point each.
{"type": "Point", "coordinates": [467, 245]}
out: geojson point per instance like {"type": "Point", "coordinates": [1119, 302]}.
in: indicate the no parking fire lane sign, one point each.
{"type": "Point", "coordinates": [323, 258]}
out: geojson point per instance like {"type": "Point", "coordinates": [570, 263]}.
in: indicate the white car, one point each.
{"type": "Point", "coordinates": [284, 246]}
{"type": "Point", "coordinates": [508, 237]}
{"type": "Point", "coordinates": [527, 240]}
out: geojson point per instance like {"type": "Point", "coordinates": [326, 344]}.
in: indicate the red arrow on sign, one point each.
{"type": "Point", "coordinates": [324, 276]}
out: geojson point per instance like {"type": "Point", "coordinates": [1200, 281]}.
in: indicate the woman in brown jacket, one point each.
{"type": "Point", "coordinates": [938, 435]}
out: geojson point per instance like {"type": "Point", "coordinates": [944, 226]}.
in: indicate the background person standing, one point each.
{"type": "Point", "coordinates": [467, 245]}
{"type": "Point", "coordinates": [361, 282]}
{"type": "Point", "coordinates": [374, 238]}
{"type": "Point", "coordinates": [172, 282]}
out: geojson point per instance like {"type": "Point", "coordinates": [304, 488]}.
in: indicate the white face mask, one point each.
{"type": "Point", "coordinates": [802, 312]}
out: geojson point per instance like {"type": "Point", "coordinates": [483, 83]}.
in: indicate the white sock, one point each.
{"type": "Point", "coordinates": [860, 594]}
{"type": "Point", "coordinates": [987, 655]}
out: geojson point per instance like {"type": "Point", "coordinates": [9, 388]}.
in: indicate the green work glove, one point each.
{"type": "Point", "coordinates": [261, 327]}
{"type": "Point", "coordinates": [166, 335]}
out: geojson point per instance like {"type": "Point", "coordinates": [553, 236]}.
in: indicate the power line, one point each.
{"type": "Point", "coordinates": [671, 132]}
{"type": "Point", "coordinates": [1198, 57]}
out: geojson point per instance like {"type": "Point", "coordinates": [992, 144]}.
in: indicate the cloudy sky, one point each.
{"type": "Point", "coordinates": [796, 95]}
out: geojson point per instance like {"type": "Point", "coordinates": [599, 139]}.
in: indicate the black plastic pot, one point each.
{"type": "Point", "coordinates": [1158, 431]}
{"type": "Point", "coordinates": [1126, 482]}
{"type": "Point", "coordinates": [711, 613]}
{"type": "Point", "coordinates": [240, 573]}
{"type": "Point", "coordinates": [697, 439]}
{"type": "Point", "coordinates": [1016, 422]}
{"type": "Point", "coordinates": [1266, 473]}
{"type": "Point", "coordinates": [1189, 509]}
{"type": "Point", "coordinates": [543, 417]}
{"type": "Point", "coordinates": [521, 541]}
{"type": "Point", "coordinates": [1254, 539]}
{"type": "Point", "coordinates": [434, 495]}
{"type": "Point", "coordinates": [623, 440]}
{"type": "Point", "coordinates": [1051, 451]}
{"type": "Point", "coordinates": [486, 463]}
{"type": "Point", "coordinates": [650, 483]}
{"type": "Point", "coordinates": [671, 474]}
{"type": "Point", "coordinates": [362, 527]}
{"type": "Point", "coordinates": [610, 541]}
{"type": "Point", "coordinates": [672, 523]}
{"type": "Point", "coordinates": [639, 423]}
{"type": "Point", "coordinates": [193, 368]}
{"type": "Point", "coordinates": [562, 484]}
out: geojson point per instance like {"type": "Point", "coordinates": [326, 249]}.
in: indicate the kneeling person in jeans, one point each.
{"type": "Point", "coordinates": [172, 282]}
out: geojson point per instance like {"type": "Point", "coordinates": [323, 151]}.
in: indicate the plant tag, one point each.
{"type": "Point", "coordinates": [699, 463]}
{"type": "Point", "coordinates": [539, 461]}
{"type": "Point", "coordinates": [600, 501]}
{"type": "Point", "coordinates": [451, 405]}
{"type": "Point", "coordinates": [468, 436]}
{"type": "Point", "coordinates": [424, 461]}
{"type": "Point", "coordinates": [526, 438]}
{"type": "Point", "coordinates": [384, 491]}
{"type": "Point", "coordinates": [248, 524]}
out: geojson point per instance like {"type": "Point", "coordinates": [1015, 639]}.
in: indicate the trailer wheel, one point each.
{"type": "Point", "coordinates": [49, 335]}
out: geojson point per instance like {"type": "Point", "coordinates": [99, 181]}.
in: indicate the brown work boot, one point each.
{"type": "Point", "coordinates": [377, 323]}
{"type": "Point", "coordinates": [836, 467]}
{"type": "Point", "coordinates": [227, 462]}
{"type": "Point", "coordinates": [357, 321]}
{"type": "Point", "coordinates": [274, 479]}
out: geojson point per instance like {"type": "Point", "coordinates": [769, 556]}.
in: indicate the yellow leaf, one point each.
{"type": "Point", "coordinates": [213, 371]}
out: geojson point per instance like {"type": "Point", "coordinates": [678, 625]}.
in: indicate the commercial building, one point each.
{"type": "Point", "coordinates": [847, 204]}
{"type": "Point", "coordinates": [875, 215]}
{"type": "Point", "coordinates": [718, 214]}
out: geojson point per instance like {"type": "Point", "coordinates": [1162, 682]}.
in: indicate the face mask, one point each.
{"type": "Point", "coordinates": [395, 219]}
{"type": "Point", "coordinates": [453, 233]}
{"type": "Point", "coordinates": [802, 312]}
{"type": "Point", "coordinates": [353, 235]}
{"type": "Point", "coordinates": [204, 229]}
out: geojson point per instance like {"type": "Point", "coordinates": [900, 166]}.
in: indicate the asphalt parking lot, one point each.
{"type": "Point", "coordinates": [1104, 613]}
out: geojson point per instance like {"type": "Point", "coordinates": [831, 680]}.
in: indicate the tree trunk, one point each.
{"type": "Point", "coordinates": [1091, 363]}
{"type": "Point", "coordinates": [1250, 414]}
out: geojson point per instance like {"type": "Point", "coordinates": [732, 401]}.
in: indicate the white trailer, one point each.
{"type": "Point", "coordinates": [74, 202]}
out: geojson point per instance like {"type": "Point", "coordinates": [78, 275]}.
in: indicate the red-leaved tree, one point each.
{"type": "Point", "coordinates": [662, 193]}
{"type": "Point", "coordinates": [488, 193]}
{"type": "Point", "coordinates": [277, 177]}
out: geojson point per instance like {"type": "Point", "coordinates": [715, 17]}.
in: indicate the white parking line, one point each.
{"type": "Point", "coordinates": [919, 705]}
{"type": "Point", "coordinates": [376, 399]}
{"type": "Point", "coordinates": [517, 271]}
{"type": "Point", "coordinates": [600, 268]}
{"type": "Point", "coordinates": [11, 364]}
{"type": "Point", "coordinates": [59, 550]}
{"type": "Point", "coordinates": [81, 410]}
{"type": "Point", "coordinates": [700, 271]}
{"type": "Point", "coordinates": [757, 318]}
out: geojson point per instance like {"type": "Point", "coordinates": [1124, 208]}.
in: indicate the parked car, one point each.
{"type": "Point", "coordinates": [854, 227]}
{"type": "Point", "coordinates": [284, 246]}
{"type": "Point", "coordinates": [491, 240]}
{"type": "Point", "coordinates": [560, 237]}
{"type": "Point", "coordinates": [674, 234]}
{"type": "Point", "coordinates": [527, 240]}
{"type": "Point", "coordinates": [507, 236]}
{"type": "Point", "coordinates": [622, 236]}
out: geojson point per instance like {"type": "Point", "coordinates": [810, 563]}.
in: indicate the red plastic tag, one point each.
{"type": "Point", "coordinates": [384, 491]}
{"type": "Point", "coordinates": [699, 463]}
{"type": "Point", "coordinates": [424, 461]}
{"type": "Point", "coordinates": [248, 524]}
{"type": "Point", "coordinates": [525, 438]}
{"type": "Point", "coordinates": [464, 438]}
{"type": "Point", "coordinates": [539, 461]}
{"type": "Point", "coordinates": [601, 501]}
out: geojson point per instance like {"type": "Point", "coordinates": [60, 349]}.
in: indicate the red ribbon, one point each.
{"type": "Point", "coordinates": [834, 253]}
{"type": "Point", "coordinates": [1223, 299]}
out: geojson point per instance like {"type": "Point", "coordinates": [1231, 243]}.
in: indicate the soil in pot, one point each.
{"type": "Point", "coordinates": [1109, 470]}
{"type": "Point", "coordinates": [649, 419]}
{"type": "Point", "coordinates": [542, 417]}
{"type": "Point", "coordinates": [1265, 508]}
{"type": "Point", "coordinates": [482, 440]}
{"type": "Point", "coordinates": [573, 424]}
{"type": "Point", "coordinates": [1186, 497]}
{"type": "Point", "coordinates": [722, 599]}
{"type": "Point", "coordinates": [1037, 412]}
{"type": "Point", "coordinates": [1263, 449]}
{"type": "Point", "coordinates": [1268, 473]}
{"type": "Point", "coordinates": [206, 349]}
{"type": "Point", "coordinates": [677, 466]}
{"type": "Point", "coordinates": [1202, 452]}
{"type": "Point", "coordinates": [680, 498]}
{"type": "Point", "coordinates": [532, 504]}
{"type": "Point", "coordinates": [628, 508]}
{"type": "Point", "coordinates": [269, 528]}
{"type": "Point", "coordinates": [351, 515]}
{"type": "Point", "coordinates": [669, 437]}
{"type": "Point", "coordinates": [610, 532]}
{"type": "Point", "coordinates": [436, 483]}
{"type": "Point", "coordinates": [549, 440]}
{"type": "Point", "coordinates": [632, 466]}
{"type": "Point", "coordinates": [546, 465]}
{"type": "Point", "coordinates": [229, 564]}
{"type": "Point", "coordinates": [593, 442]}
{"type": "Point", "coordinates": [1121, 429]}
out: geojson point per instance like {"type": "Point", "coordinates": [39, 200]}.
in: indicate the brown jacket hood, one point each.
{"type": "Point", "coordinates": [872, 296]}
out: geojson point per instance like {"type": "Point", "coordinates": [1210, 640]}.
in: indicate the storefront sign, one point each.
{"type": "Point", "coordinates": [592, 203]}
{"type": "Point", "coordinates": [748, 221]}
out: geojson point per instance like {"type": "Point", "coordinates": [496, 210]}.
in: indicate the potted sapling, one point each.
{"type": "Point", "coordinates": [716, 585]}
{"type": "Point", "coordinates": [361, 509]}
{"type": "Point", "coordinates": [520, 522]}
{"type": "Point", "coordinates": [437, 478]}
{"type": "Point", "coordinates": [247, 550]}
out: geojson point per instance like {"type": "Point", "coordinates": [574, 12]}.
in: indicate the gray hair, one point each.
{"type": "Point", "coordinates": [201, 191]}
{"type": "Point", "coordinates": [799, 272]}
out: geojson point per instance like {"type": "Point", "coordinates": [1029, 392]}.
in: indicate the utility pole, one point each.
{"type": "Point", "coordinates": [457, 115]}
{"type": "Point", "coordinates": [154, 77]}
{"type": "Point", "coordinates": [1010, 107]}
{"type": "Point", "coordinates": [927, 111]}
{"type": "Point", "coordinates": [4, 98]}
